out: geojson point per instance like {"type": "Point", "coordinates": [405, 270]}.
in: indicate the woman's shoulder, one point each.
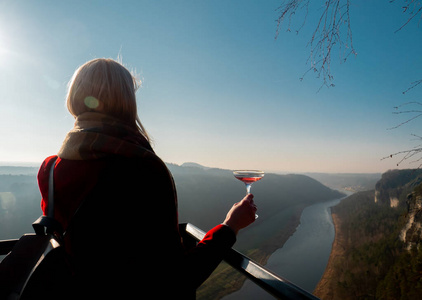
{"type": "Point", "coordinates": [48, 161]}
{"type": "Point", "coordinates": [46, 165]}
{"type": "Point", "coordinates": [132, 168]}
{"type": "Point", "coordinates": [148, 159]}
{"type": "Point", "coordinates": [148, 164]}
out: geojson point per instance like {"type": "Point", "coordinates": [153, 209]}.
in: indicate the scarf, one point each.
{"type": "Point", "coordinates": [96, 136]}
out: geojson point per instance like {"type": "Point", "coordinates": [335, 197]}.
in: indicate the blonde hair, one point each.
{"type": "Point", "coordinates": [106, 86]}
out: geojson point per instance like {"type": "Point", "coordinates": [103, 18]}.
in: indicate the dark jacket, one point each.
{"type": "Point", "coordinates": [124, 239]}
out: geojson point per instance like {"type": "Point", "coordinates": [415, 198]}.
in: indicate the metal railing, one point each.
{"type": "Point", "coordinates": [6, 246]}
{"type": "Point", "coordinates": [275, 285]}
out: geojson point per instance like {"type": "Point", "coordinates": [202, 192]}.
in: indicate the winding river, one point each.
{"type": "Point", "coordinates": [304, 256]}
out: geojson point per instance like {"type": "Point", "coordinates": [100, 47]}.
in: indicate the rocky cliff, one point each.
{"type": "Point", "coordinates": [403, 189]}
{"type": "Point", "coordinates": [411, 233]}
{"type": "Point", "coordinates": [395, 185]}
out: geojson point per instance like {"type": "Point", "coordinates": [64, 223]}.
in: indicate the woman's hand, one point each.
{"type": "Point", "coordinates": [241, 214]}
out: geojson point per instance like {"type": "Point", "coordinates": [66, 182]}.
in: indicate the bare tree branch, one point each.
{"type": "Point", "coordinates": [413, 7]}
{"type": "Point", "coordinates": [289, 10]}
{"type": "Point", "coordinates": [328, 34]}
{"type": "Point", "coordinates": [332, 32]}
{"type": "Point", "coordinates": [412, 111]}
{"type": "Point", "coordinates": [417, 150]}
{"type": "Point", "coordinates": [413, 85]}
{"type": "Point", "coordinates": [407, 154]}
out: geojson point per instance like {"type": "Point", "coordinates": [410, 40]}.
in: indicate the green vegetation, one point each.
{"type": "Point", "coordinates": [404, 278]}
{"type": "Point", "coordinates": [376, 264]}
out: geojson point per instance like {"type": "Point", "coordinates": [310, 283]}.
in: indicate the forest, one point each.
{"type": "Point", "coordinates": [375, 263]}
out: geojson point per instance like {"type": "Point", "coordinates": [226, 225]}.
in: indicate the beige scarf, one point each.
{"type": "Point", "coordinates": [96, 135]}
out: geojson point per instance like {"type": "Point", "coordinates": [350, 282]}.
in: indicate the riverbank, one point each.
{"type": "Point", "coordinates": [310, 245]}
{"type": "Point", "coordinates": [229, 280]}
{"type": "Point", "coordinates": [368, 260]}
{"type": "Point", "coordinates": [262, 254]}
{"type": "Point", "coordinates": [325, 289]}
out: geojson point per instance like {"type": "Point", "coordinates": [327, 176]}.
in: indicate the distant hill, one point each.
{"type": "Point", "coordinates": [194, 165]}
{"type": "Point", "coordinates": [12, 170]}
{"type": "Point", "coordinates": [354, 182]}
{"type": "Point", "coordinates": [206, 194]}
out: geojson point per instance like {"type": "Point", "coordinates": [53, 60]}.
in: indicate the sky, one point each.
{"type": "Point", "coordinates": [217, 88]}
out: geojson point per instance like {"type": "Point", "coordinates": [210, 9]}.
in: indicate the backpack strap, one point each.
{"type": "Point", "coordinates": [50, 208]}
{"type": "Point", "coordinates": [47, 224]}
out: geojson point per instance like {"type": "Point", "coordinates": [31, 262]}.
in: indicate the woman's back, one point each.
{"type": "Point", "coordinates": [117, 233]}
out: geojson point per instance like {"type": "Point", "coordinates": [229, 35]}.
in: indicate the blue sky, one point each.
{"type": "Point", "coordinates": [218, 89]}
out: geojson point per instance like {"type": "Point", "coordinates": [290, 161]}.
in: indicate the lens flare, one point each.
{"type": "Point", "coordinates": [91, 102]}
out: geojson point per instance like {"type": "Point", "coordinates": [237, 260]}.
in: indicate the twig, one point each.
{"type": "Point", "coordinates": [327, 34]}
{"type": "Point", "coordinates": [413, 85]}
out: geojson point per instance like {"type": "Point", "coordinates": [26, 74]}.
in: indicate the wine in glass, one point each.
{"type": "Point", "coordinates": [248, 177]}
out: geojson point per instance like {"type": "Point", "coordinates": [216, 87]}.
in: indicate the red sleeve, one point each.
{"type": "Point", "coordinates": [202, 260]}
{"type": "Point", "coordinates": [43, 176]}
{"type": "Point", "coordinates": [223, 234]}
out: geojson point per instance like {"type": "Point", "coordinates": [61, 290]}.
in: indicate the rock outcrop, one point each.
{"type": "Point", "coordinates": [411, 233]}
{"type": "Point", "coordinates": [402, 189]}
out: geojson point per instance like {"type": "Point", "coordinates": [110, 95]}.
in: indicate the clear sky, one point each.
{"type": "Point", "coordinates": [218, 89]}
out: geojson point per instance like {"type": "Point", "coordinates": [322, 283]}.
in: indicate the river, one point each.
{"type": "Point", "coordinates": [304, 256]}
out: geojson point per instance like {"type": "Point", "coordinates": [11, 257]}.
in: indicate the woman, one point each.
{"type": "Point", "coordinates": [124, 239]}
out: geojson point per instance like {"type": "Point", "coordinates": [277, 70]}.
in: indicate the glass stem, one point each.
{"type": "Point", "coordinates": [248, 189]}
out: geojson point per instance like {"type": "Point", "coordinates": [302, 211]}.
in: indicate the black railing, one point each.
{"type": "Point", "coordinates": [6, 246]}
{"type": "Point", "coordinates": [277, 286]}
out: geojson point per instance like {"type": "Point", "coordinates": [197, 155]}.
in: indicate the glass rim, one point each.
{"type": "Point", "coordinates": [248, 171]}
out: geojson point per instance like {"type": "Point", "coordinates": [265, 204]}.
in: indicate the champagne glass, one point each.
{"type": "Point", "coordinates": [248, 177]}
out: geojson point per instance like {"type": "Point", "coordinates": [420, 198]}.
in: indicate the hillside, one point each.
{"type": "Point", "coordinates": [395, 185]}
{"type": "Point", "coordinates": [376, 253]}
{"type": "Point", "coordinates": [215, 191]}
